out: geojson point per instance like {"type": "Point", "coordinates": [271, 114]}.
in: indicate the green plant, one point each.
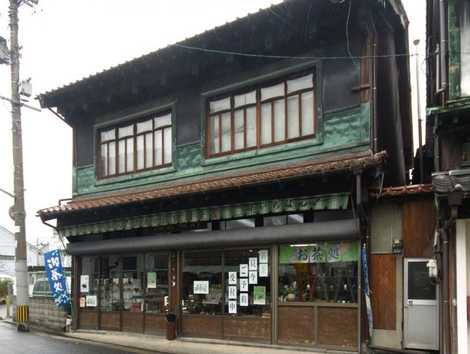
{"type": "Point", "coordinates": [4, 283]}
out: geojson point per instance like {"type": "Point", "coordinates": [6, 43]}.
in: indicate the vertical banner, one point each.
{"type": "Point", "coordinates": [365, 273]}
{"type": "Point", "coordinates": [56, 277]}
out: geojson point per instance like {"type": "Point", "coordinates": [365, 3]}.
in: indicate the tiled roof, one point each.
{"type": "Point", "coordinates": [305, 169]}
{"type": "Point", "coordinates": [402, 191]}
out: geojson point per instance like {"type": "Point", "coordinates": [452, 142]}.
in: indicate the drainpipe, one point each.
{"type": "Point", "coordinates": [445, 291]}
{"type": "Point", "coordinates": [443, 47]}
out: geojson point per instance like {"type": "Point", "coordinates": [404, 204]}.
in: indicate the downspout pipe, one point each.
{"type": "Point", "coordinates": [443, 48]}
{"type": "Point", "coordinates": [445, 292]}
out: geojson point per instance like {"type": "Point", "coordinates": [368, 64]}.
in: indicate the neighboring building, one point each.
{"type": "Point", "coordinates": [232, 189]}
{"type": "Point", "coordinates": [448, 122]}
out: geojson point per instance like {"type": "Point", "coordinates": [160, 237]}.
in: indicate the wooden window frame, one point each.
{"type": "Point", "coordinates": [134, 169]}
{"type": "Point", "coordinates": [258, 126]}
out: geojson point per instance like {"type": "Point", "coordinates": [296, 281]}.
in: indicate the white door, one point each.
{"type": "Point", "coordinates": [421, 315]}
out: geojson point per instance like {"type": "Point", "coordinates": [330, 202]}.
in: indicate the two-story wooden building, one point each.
{"type": "Point", "coordinates": [225, 178]}
{"type": "Point", "coordinates": [448, 123]}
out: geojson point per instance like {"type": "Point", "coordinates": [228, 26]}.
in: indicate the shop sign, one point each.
{"type": "Point", "coordinates": [320, 252]}
{"type": "Point", "coordinates": [263, 256]}
{"type": "Point", "coordinates": [201, 287]}
{"type": "Point", "coordinates": [259, 295]}
{"type": "Point", "coordinates": [232, 292]}
{"type": "Point", "coordinates": [232, 278]}
{"type": "Point", "coordinates": [263, 270]}
{"type": "Point", "coordinates": [56, 277]}
{"type": "Point", "coordinates": [243, 284]}
{"type": "Point", "coordinates": [253, 263]}
{"type": "Point", "coordinates": [253, 278]}
{"type": "Point", "coordinates": [232, 307]}
{"type": "Point", "coordinates": [243, 270]}
{"type": "Point", "coordinates": [243, 299]}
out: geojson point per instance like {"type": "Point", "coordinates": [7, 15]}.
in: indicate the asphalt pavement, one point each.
{"type": "Point", "coordinates": [13, 342]}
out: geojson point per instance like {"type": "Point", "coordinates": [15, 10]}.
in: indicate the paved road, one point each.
{"type": "Point", "coordinates": [13, 342]}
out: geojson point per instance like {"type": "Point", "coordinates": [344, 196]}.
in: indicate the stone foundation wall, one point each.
{"type": "Point", "coordinates": [44, 314]}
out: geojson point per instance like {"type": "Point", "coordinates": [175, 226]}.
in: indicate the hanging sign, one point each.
{"type": "Point", "coordinates": [243, 270]}
{"type": "Point", "coordinates": [232, 292]}
{"type": "Point", "coordinates": [232, 278]}
{"type": "Point", "coordinates": [232, 307]}
{"type": "Point", "coordinates": [84, 283]}
{"type": "Point", "coordinates": [253, 263]}
{"type": "Point", "coordinates": [56, 277]}
{"type": "Point", "coordinates": [263, 270]}
{"type": "Point", "coordinates": [253, 278]}
{"type": "Point", "coordinates": [243, 299]}
{"type": "Point", "coordinates": [263, 256]}
{"type": "Point", "coordinates": [243, 284]}
{"type": "Point", "coordinates": [320, 252]}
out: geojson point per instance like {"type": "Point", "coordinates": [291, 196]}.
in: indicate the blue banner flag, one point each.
{"type": "Point", "coordinates": [57, 280]}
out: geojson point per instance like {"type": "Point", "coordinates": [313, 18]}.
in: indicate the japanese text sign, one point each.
{"type": "Point", "coordinates": [56, 277]}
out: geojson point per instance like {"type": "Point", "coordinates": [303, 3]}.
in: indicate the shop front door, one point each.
{"type": "Point", "coordinates": [421, 315]}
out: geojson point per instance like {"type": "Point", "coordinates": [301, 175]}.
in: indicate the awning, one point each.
{"type": "Point", "coordinates": [347, 229]}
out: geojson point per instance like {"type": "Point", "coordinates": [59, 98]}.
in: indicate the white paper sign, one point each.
{"type": "Point", "coordinates": [243, 270]}
{"type": "Point", "coordinates": [232, 306]}
{"type": "Point", "coordinates": [263, 270]}
{"type": "Point", "coordinates": [91, 301]}
{"type": "Point", "coordinates": [253, 278]}
{"type": "Point", "coordinates": [201, 287]}
{"type": "Point", "coordinates": [232, 278]}
{"type": "Point", "coordinates": [152, 280]}
{"type": "Point", "coordinates": [232, 292]}
{"type": "Point", "coordinates": [243, 284]}
{"type": "Point", "coordinates": [84, 283]}
{"type": "Point", "coordinates": [263, 256]}
{"type": "Point", "coordinates": [253, 263]}
{"type": "Point", "coordinates": [243, 299]}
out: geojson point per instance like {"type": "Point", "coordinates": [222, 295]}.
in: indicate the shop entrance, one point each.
{"type": "Point", "coordinates": [421, 316]}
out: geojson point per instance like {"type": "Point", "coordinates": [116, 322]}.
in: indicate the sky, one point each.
{"type": "Point", "coordinates": [66, 40]}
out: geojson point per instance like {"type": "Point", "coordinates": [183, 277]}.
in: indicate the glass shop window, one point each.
{"type": "Point", "coordinates": [132, 286]}
{"type": "Point", "coordinates": [202, 291]}
{"type": "Point", "coordinates": [319, 272]}
{"type": "Point", "coordinates": [110, 299]}
{"type": "Point", "coordinates": [89, 280]}
{"type": "Point", "coordinates": [156, 283]}
{"type": "Point", "coordinates": [247, 281]}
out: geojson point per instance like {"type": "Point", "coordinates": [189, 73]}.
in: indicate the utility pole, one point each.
{"type": "Point", "coordinates": [21, 268]}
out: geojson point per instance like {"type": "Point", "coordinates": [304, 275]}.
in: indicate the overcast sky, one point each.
{"type": "Point", "coordinates": [66, 40]}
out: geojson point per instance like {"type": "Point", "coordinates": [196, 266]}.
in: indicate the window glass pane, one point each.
{"type": "Point", "coordinates": [226, 132]}
{"type": "Point", "coordinates": [420, 286]}
{"type": "Point", "coordinates": [156, 283]}
{"type": "Point", "coordinates": [279, 120]}
{"type": "Point", "coordinates": [272, 91]}
{"type": "Point", "coordinates": [89, 287]}
{"type": "Point", "coordinates": [266, 123]}
{"type": "Point", "coordinates": [132, 285]}
{"type": "Point", "coordinates": [149, 152]}
{"type": "Point", "coordinates": [110, 299]}
{"type": "Point", "coordinates": [158, 147]}
{"type": "Point", "coordinates": [202, 291]}
{"type": "Point", "coordinates": [122, 156]}
{"type": "Point", "coordinates": [112, 158]}
{"type": "Point", "coordinates": [246, 98]}
{"type": "Point", "coordinates": [219, 105]}
{"type": "Point", "coordinates": [163, 121]}
{"type": "Point", "coordinates": [126, 131]}
{"type": "Point", "coordinates": [144, 126]}
{"type": "Point", "coordinates": [259, 294]}
{"type": "Point", "coordinates": [239, 129]}
{"type": "Point", "coordinates": [215, 134]}
{"type": "Point", "coordinates": [321, 272]}
{"type": "Point", "coordinates": [251, 127]}
{"type": "Point", "coordinates": [130, 154]}
{"type": "Point", "coordinates": [307, 113]}
{"type": "Point", "coordinates": [293, 116]}
{"type": "Point", "coordinates": [300, 83]}
{"type": "Point", "coordinates": [108, 135]}
{"type": "Point", "coordinates": [140, 152]}
{"type": "Point", "coordinates": [104, 159]}
{"type": "Point", "coordinates": [167, 144]}
{"type": "Point", "coordinates": [465, 48]}
{"type": "Point", "coordinates": [239, 224]}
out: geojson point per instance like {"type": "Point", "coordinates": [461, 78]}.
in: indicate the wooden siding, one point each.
{"type": "Point", "coordinates": [296, 325]}
{"type": "Point", "coordinates": [110, 321]}
{"type": "Point", "coordinates": [418, 228]}
{"type": "Point", "coordinates": [202, 326]}
{"type": "Point", "coordinates": [132, 322]}
{"type": "Point", "coordinates": [247, 328]}
{"type": "Point", "coordinates": [337, 326]}
{"type": "Point", "coordinates": [155, 324]}
{"type": "Point", "coordinates": [88, 319]}
{"type": "Point", "coordinates": [383, 289]}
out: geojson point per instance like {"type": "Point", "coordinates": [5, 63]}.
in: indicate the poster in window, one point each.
{"type": "Point", "coordinates": [243, 284]}
{"type": "Point", "coordinates": [84, 283]}
{"type": "Point", "coordinates": [253, 263]}
{"type": "Point", "coordinates": [243, 270]}
{"type": "Point", "coordinates": [82, 302]}
{"type": "Point", "coordinates": [232, 278]}
{"type": "Point", "coordinates": [263, 270]}
{"type": "Point", "coordinates": [201, 287]}
{"type": "Point", "coordinates": [232, 292]}
{"type": "Point", "coordinates": [91, 301]}
{"type": "Point", "coordinates": [253, 278]}
{"type": "Point", "coordinates": [243, 299]}
{"type": "Point", "coordinates": [151, 280]}
{"type": "Point", "coordinates": [232, 307]}
{"type": "Point", "coordinates": [259, 295]}
{"type": "Point", "coordinates": [263, 256]}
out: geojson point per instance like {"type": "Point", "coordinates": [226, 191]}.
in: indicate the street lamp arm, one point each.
{"type": "Point", "coordinates": [7, 193]}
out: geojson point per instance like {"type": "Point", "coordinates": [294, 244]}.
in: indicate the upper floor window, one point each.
{"type": "Point", "coordinates": [144, 145]}
{"type": "Point", "coordinates": [264, 116]}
